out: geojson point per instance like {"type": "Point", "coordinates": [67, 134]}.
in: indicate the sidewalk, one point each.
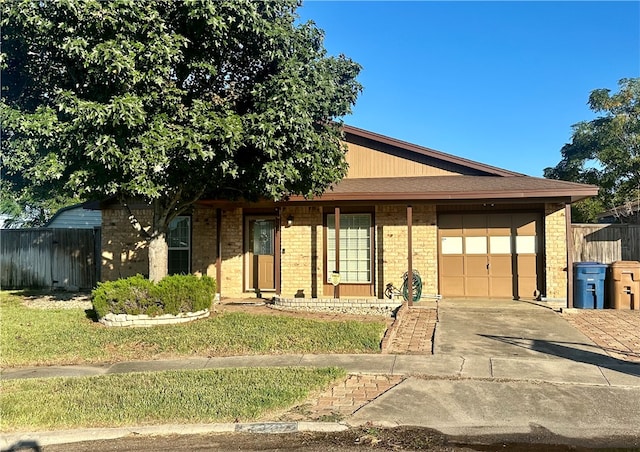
{"type": "Point", "coordinates": [607, 371]}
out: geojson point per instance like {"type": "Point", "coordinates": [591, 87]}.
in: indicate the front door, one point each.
{"type": "Point", "coordinates": [260, 253]}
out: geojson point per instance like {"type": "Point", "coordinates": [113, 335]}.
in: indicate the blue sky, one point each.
{"type": "Point", "coordinates": [497, 82]}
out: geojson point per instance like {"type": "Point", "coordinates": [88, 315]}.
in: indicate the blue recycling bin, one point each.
{"type": "Point", "coordinates": [588, 285]}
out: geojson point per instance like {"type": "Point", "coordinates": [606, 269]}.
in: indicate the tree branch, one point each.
{"type": "Point", "coordinates": [134, 221]}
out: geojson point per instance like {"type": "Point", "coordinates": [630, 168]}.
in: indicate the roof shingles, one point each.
{"type": "Point", "coordinates": [455, 187]}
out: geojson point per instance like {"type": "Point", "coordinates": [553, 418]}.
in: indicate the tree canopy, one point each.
{"type": "Point", "coordinates": [170, 101]}
{"type": "Point", "coordinates": [605, 151]}
{"type": "Point", "coordinates": [32, 206]}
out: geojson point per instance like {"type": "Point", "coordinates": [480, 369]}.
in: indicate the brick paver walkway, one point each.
{"type": "Point", "coordinates": [413, 331]}
{"type": "Point", "coordinates": [617, 332]}
{"type": "Point", "coordinates": [344, 398]}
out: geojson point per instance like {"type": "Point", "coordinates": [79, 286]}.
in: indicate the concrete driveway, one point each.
{"type": "Point", "coordinates": [509, 329]}
{"type": "Point", "coordinates": [513, 367]}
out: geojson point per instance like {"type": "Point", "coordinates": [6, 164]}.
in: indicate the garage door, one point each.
{"type": "Point", "coordinates": [494, 255]}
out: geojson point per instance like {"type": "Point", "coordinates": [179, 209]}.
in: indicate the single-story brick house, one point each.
{"type": "Point", "coordinates": [469, 229]}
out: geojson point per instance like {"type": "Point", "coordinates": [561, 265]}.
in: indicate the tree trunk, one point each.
{"type": "Point", "coordinates": [158, 257]}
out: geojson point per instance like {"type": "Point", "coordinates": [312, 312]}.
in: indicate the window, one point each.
{"type": "Point", "coordinates": [263, 237]}
{"type": "Point", "coordinates": [355, 247]}
{"type": "Point", "coordinates": [475, 245]}
{"type": "Point", "coordinates": [179, 241]}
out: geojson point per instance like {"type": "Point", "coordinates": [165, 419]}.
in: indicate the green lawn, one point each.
{"type": "Point", "coordinates": [189, 396]}
{"type": "Point", "coordinates": [56, 337]}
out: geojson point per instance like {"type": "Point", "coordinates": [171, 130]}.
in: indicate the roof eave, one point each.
{"type": "Point", "coordinates": [572, 195]}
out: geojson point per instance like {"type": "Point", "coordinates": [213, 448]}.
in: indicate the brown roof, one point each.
{"type": "Point", "coordinates": [454, 188]}
{"type": "Point", "coordinates": [484, 182]}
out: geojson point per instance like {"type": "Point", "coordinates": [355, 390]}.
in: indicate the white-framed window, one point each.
{"type": "Point", "coordinates": [179, 241]}
{"type": "Point", "coordinates": [355, 247]}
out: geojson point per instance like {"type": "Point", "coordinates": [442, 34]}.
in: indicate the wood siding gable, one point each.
{"type": "Point", "coordinates": [365, 162]}
{"type": "Point", "coordinates": [371, 155]}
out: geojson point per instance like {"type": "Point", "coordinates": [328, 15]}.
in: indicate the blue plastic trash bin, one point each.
{"type": "Point", "coordinates": [588, 285]}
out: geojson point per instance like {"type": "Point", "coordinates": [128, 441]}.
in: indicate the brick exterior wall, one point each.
{"type": "Point", "coordinates": [555, 239]}
{"type": "Point", "coordinates": [124, 252]}
{"type": "Point", "coordinates": [232, 257]}
{"type": "Point", "coordinates": [391, 246]}
{"type": "Point", "coordinates": [425, 246]}
{"type": "Point", "coordinates": [302, 265]}
{"type": "Point", "coordinates": [203, 242]}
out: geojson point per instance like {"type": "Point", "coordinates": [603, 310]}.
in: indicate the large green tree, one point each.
{"type": "Point", "coordinates": [169, 102]}
{"type": "Point", "coordinates": [605, 151]}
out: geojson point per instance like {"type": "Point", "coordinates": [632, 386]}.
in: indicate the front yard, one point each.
{"type": "Point", "coordinates": [31, 336]}
{"type": "Point", "coordinates": [186, 396]}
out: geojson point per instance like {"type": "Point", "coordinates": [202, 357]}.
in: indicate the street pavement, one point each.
{"type": "Point", "coordinates": [496, 368]}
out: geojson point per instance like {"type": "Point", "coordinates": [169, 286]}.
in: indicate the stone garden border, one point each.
{"type": "Point", "coordinates": [143, 320]}
{"type": "Point", "coordinates": [358, 306]}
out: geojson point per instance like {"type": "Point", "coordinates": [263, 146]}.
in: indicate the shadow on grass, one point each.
{"type": "Point", "coordinates": [53, 295]}
{"type": "Point", "coordinates": [570, 350]}
{"type": "Point", "coordinates": [91, 315]}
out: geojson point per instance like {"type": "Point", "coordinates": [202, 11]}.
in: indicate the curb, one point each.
{"type": "Point", "coordinates": [392, 330]}
{"type": "Point", "coordinates": [14, 441]}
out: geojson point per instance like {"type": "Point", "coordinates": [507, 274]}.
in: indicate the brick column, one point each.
{"type": "Point", "coordinates": [555, 238]}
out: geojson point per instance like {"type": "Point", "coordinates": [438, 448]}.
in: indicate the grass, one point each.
{"type": "Point", "coordinates": [189, 396]}
{"type": "Point", "coordinates": [69, 336]}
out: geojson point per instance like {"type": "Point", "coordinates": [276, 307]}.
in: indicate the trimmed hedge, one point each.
{"type": "Point", "coordinates": [137, 295]}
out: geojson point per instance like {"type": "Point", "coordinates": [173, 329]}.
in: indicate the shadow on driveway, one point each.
{"type": "Point", "coordinates": [570, 351]}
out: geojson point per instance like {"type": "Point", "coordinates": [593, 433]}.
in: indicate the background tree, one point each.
{"type": "Point", "coordinates": [30, 206]}
{"type": "Point", "coordinates": [605, 151]}
{"type": "Point", "coordinates": [170, 102]}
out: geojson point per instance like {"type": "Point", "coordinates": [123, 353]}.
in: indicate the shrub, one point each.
{"type": "Point", "coordinates": [186, 293]}
{"type": "Point", "coordinates": [132, 295]}
{"type": "Point", "coordinates": [137, 295]}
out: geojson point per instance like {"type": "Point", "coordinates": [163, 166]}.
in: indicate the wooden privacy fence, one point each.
{"type": "Point", "coordinates": [49, 258]}
{"type": "Point", "coordinates": [606, 243]}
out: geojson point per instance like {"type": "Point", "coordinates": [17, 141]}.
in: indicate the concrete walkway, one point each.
{"type": "Point", "coordinates": [602, 370]}
{"type": "Point", "coordinates": [496, 369]}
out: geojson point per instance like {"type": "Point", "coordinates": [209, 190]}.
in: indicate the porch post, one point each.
{"type": "Point", "coordinates": [278, 250]}
{"type": "Point", "coordinates": [219, 252]}
{"type": "Point", "coordinates": [337, 229]}
{"type": "Point", "coordinates": [410, 254]}
{"type": "Point", "coordinates": [567, 219]}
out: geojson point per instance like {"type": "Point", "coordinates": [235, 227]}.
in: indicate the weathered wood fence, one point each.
{"type": "Point", "coordinates": [49, 258]}
{"type": "Point", "coordinates": [606, 243]}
